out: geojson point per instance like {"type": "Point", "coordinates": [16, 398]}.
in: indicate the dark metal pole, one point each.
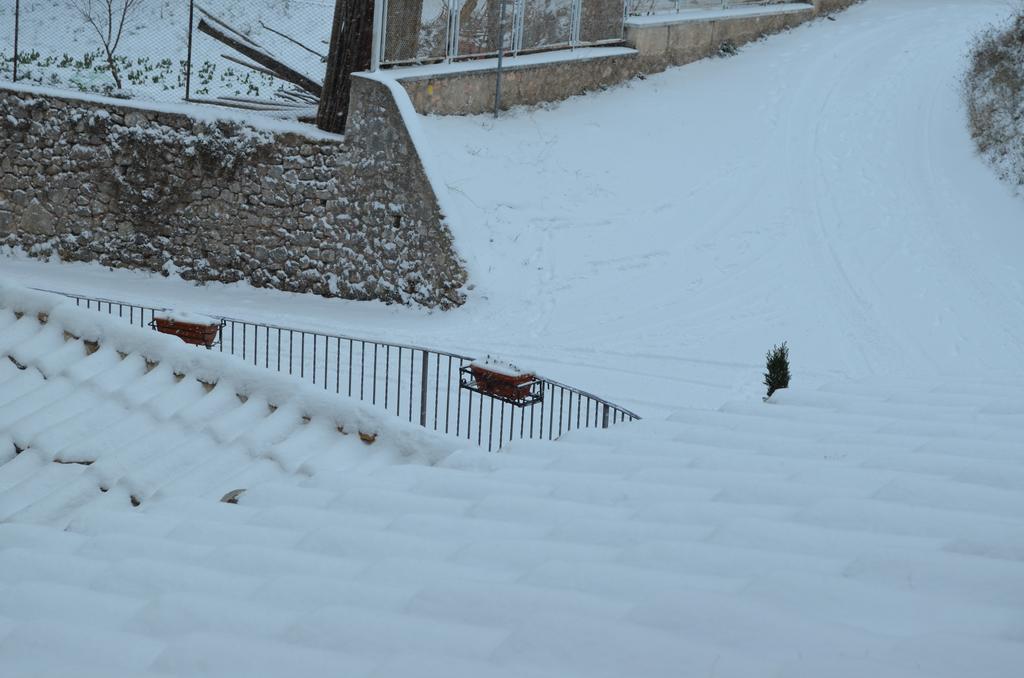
{"type": "Point", "coordinates": [17, 25]}
{"type": "Point", "coordinates": [188, 66]}
{"type": "Point", "coordinates": [501, 58]}
{"type": "Point", "coordinates": [424, 377]}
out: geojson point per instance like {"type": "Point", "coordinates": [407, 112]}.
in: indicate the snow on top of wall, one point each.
{"type": "Point", "coordinates": [688, 15]}
{"type": "Point", "coordinates": [261, 121]}
{"type": "Point", "coordinates": [510, 62]}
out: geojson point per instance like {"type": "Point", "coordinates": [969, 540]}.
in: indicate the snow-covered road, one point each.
{"type": "Point", "coordinates": [651, 242]}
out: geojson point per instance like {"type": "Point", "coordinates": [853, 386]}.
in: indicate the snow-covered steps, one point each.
{"type": "Point", "coordinates": [857, 529]}
{"type": "Point", "coordinates": [93, 411]}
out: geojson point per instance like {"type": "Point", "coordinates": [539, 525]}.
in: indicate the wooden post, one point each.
{"type": "Point", "coordinates": [351, 46]}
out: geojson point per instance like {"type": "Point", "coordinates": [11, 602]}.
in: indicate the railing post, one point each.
{"type": "Point", "coordinates": [379, 18]}
{"type": "Point", "coordinates": [604, 415]}
{"type": "Point", "coordinates": [501, 59]}
{"type": "Point", "coordinates": [423, 389]}
{"type": "Point", "coordinates": [17, 26]}
{"type": "Point", "coordinates": [188, 64]}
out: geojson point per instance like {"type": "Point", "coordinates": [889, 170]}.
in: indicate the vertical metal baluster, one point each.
{"type": "Point", "coordinates": [362, 369]}
{"type": "Point", "coordinates": [374, 399]}
{"type": "Point", "coordinates": [351, 345]}
{"type": "Point", "coordinates": [313, 371]}
{"type": "Point", "coordinates": [398, 391]}
{"type": "Point", "coordinates": [480, 422]}
{"type": "Point", "coordinates": [490, 428]}
{"type": "Point", "coordinates": [266, 348]}
{"type": "Point", "coordinates": [291, 350]}
{"type": "Point", "coordinates": [458, 407]}
{"type": "Point", "coordinates": [469, 415]}
{"type": "Point", "coordinates": [232, 337]}
{"type": "Point", "coordinates": [579, 407]}
{"type": "Point", "coordinates": [569, 417]}
{"type": "Point", "coordinates": [278, 349]}
{"type": "Point", "coordinates": [412, 359]}
{"type": "Point", "coordinates": [501, 425]}
{"type": "Point", "coordinates": [337, 365]}
{"type": "Point", "coordinates": [424, 384]}
{"type": "Point", "coordinates": [243, 340]}
{"type": "Point", "coordinates": [387, 375]}
{"type": "Point", "coordinates": [302, 355]}
{"type": "Point", "coordinates": [561, 402]}
{"type": "Point", "coordinates": [543, 389]}
{"type": "Point", "coordinates": [448, 395]}
{"type": "Point", "coordinates": [512, 420]}
{"type": "Point", "coordinates": [437, 387]}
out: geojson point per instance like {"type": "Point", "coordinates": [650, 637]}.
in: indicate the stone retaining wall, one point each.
{"type": "Point", "coordinates": [472, 92]}
{"type": "Point", "coordinates": [220, 200]}
{"type": "Point", "coordinates": [676, 39]}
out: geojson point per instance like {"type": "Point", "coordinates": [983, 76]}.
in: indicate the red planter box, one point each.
{"type": "Point", "coordinates": [198, 334]}
{"type": "Point", "coordinates": [507, 386]}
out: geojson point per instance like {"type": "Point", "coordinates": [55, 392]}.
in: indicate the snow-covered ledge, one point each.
{"type": "Point", "coordinates": [467, 87]}
{"type": "Point", "coordinates": [665, 40]}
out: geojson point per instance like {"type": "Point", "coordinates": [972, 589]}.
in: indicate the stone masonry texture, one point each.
{"type": "Point", "coordinates": [222, 201]}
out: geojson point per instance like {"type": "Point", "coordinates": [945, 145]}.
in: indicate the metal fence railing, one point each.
{"type": "Point", "coordinates": [424, 31]}
{"type": "Point", "coordinates": [153, 49]}
{"type": "Point", "coordinates": [418, 384]}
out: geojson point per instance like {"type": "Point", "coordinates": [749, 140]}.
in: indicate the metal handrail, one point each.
{"type": "Point", "coordinates": [416, 383]}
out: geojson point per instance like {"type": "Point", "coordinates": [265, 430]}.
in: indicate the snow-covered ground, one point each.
{"type": "Point", "coordinates": [651, 242]}
{"type": "Point", "coordinates": [844, 531]}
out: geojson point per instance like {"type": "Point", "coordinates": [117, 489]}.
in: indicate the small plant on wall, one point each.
{"type": "Point", "coordinates": [776, 374]}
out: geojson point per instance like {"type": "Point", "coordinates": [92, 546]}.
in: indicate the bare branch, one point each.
{"type": "Point", "coordinates": [294, 41]}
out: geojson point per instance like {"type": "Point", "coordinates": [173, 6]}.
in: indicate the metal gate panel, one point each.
{"type": "Point", "coordinates": [601, 21]}
{"type": "Point", "coordinates": [418, 31]}
{"type": "Point", "coordinates": [415, 30]}
{"type": "Point", "coordinates": [548, 24]}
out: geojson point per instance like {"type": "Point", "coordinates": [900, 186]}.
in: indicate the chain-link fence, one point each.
{"type": "Point", "coordinates": [156, 49]}
{"type": "Point", "coordinates": [423, 31]}
{"type": "Point", "coordinates": [231, 40]}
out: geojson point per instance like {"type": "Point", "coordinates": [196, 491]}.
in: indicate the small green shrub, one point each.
{"type": "Point", "coordinates": [776, 375]}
